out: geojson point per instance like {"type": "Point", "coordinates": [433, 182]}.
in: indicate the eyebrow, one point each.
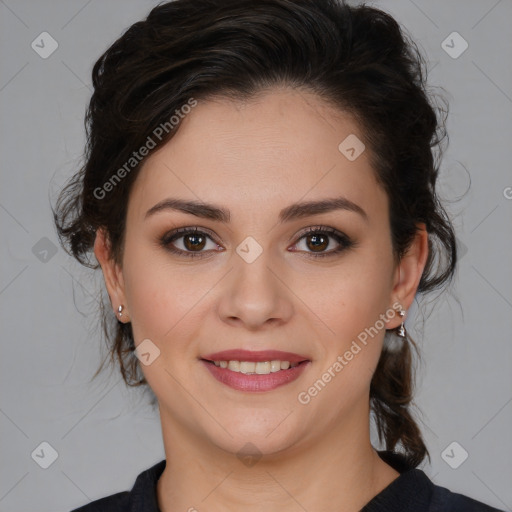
{"type": "Point", "coordinates": [292, 212]}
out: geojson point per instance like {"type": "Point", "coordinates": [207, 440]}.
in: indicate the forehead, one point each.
{"type": "Point", "coordinates": [276, 148]}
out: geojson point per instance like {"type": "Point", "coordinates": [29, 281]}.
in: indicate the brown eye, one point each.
{"type": "Point", "coordinates": [318, 239]}
{"type": "Point", "coordinates": [194, 242]}
{"type": "Point", "coordinates": [188, 242]}
{"type": "Point", "coordinates": [317, 242]}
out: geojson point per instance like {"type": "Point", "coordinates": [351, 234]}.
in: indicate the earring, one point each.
{"type": "Point", "coordinates": [119, 310]}
{"type": "Point", "coordinates": [401, 329]}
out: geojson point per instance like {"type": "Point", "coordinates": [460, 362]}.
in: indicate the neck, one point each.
{"type": "Point", "coordinates": [341, 471]}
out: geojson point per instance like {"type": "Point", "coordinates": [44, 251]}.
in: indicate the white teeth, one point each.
{"type": "Point", "coordinates": [247, 367]}
{"type": "Point", "coordinates": [275, 366]}
{"type": "Point", "coordinates": [259, 368]}
{"type": "Point", "coordinates": [262, 368]}
{"type": "Point", "coordinates": [234, 366]}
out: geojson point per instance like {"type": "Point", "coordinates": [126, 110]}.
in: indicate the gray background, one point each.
{"type": "Point", "coordinates": [105, 434]}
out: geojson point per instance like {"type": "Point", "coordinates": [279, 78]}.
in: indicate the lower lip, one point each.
{"type": "Point", "coordinates": [242, 382]}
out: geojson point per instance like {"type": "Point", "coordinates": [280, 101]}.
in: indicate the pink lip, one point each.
{"type": "Point", "coordinates": [248, 355]}
{"type": "Point", "coordinates": [243, 382]}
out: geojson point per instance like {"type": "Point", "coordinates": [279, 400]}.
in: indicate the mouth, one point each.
{"type": "Point", "coordinates": [261, 362]}
{"type": "Point", "coordinates": [245, 370]}
{"type": "Point", "coordinates": [255, 367]}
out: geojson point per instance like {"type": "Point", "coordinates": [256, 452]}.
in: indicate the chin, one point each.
{"type": "Point", "coordinates": [265, 436]}
{"type": "Point", "coordinates": [254, 446]}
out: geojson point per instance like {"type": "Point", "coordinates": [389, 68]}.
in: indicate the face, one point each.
{"type": "Point", "coordinates": [260, 276]}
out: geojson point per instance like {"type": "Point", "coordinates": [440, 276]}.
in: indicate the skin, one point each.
{"type": "Point", "coordinates": [254, 158]}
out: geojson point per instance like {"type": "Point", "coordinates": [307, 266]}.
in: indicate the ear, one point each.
{"type": "Point", "coordinates": [409, 272]}
{"type": "Point", "coordinates": [112, 272]}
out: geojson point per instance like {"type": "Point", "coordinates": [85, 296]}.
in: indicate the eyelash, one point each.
{"type": "Point", "coordinates": [344, 241]}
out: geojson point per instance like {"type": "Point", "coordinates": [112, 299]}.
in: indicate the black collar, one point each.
{"type": "Point", "coordinates": [412, 490]}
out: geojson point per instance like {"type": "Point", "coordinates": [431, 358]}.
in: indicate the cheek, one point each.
{"type": "Point", "coordinates": [153, 292]}
{"type": "Point", "coordinates": [164, 300]}
{"type": "Point", "coordinates": [350, 356]}
{"type": "Point", "coordinates": [357, 294]}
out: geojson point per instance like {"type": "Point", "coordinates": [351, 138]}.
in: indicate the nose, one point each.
{"type": "Point", "coordinates": [255, 294]}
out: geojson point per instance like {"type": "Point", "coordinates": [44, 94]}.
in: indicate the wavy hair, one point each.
{"type": "Point", "coordinates": [357, 58]}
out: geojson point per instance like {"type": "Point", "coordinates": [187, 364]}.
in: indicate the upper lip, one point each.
{"type": "Point", "coordinates": [262, 355]}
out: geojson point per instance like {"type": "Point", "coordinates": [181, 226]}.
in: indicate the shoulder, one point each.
{"type": "Point", "coordinates": [413, 490]}
{"type": "Point", "coordinates": [114, 503]}
{"type": "Point", "coordinates": [141, 498]}
{"type": "Point", "coordinates": [444, 500]}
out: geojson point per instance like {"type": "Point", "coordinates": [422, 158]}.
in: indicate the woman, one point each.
{"type": "Point", "coordinates": [259, 190]}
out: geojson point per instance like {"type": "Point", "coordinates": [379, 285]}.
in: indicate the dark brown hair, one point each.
{"type": "Point", "coordinates": [356, 58]}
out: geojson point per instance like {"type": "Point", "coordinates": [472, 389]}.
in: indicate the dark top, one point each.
{"type": "Point", "coordinates": [412, 491]}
